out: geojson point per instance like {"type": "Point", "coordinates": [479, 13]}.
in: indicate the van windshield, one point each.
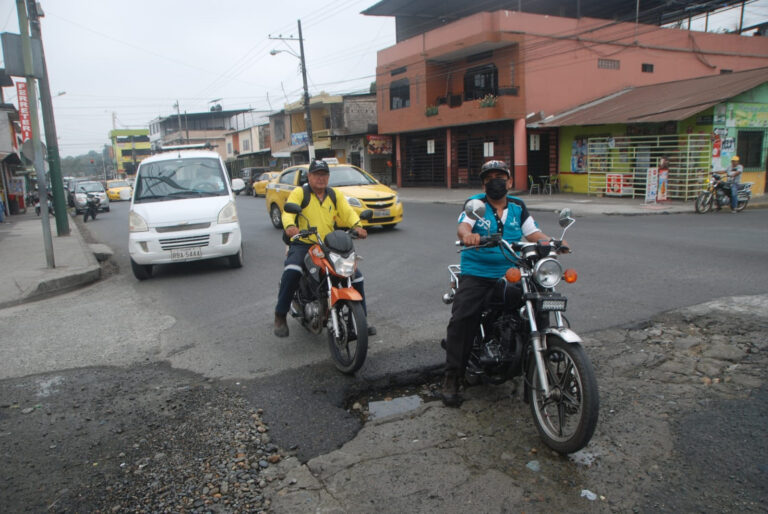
{"type": "Point", "coordinates": [179, 178]}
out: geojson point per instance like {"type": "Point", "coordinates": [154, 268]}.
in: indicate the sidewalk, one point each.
{"type": "Point", "coordinates": [26, 276]}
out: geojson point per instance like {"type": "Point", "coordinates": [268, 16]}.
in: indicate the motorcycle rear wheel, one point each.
{"type": "Point", "coordinates": [741, 205]}
{"type": "Point", "coordinates": [350, 346]}
{"type": "Point", "coordinates": [567, 419]}
{"type": "Point", "coordinates": [703, 202]}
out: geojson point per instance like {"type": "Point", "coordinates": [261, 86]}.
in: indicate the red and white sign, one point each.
{"type": "Point", "coordinates": [24, 118]}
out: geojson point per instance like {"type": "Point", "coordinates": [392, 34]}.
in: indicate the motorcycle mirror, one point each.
{"type": "Point", "coordinates": [366, 214]}
{"type": "Point", "coordinates": [294, 208]}
{"type": "Point", "coordinates": [565, 218]}
{"type": "Point", "coordinates": [475, 209]}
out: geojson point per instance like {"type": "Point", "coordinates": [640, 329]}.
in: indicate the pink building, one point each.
{"type": "Point", "coordinates": [465, 91]}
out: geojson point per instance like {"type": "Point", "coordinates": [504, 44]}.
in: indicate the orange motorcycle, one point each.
{"type": "Point", "coordinates": [325, 296]}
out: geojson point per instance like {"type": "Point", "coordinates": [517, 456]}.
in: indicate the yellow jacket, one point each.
{"type": "Point", "coordinates": [320, 215]}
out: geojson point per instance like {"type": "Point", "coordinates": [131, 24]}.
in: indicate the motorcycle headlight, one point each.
{"type": "Point", "coordinates": [228, 214]}
{"type": "Point", "coordinates": [136, 223]}
{"type": "Point", "coordinates": [344, 266]}
{"type": "Point", "coordinates": [354, 202]}
{"type": "Point", "coordinates": [548, 272]}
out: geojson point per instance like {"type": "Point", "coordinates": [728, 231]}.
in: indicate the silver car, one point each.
{"type": "Point", "coordinates": [92, 187]}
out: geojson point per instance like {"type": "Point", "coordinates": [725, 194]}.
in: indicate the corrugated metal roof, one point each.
{"type": "Point", "coordinates": [670, 101]}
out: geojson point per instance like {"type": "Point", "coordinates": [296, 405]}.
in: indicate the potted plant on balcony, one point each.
{"type": "Point", "coordinates": [431, 110]}
{"type": "Point", "coordinates": [488, 100]}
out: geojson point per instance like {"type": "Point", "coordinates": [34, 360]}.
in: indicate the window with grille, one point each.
{"type": "Point", "coordinates": [647, 67]}
{"type": "Point", "coordinates": [481, 81]}
{"type": "Point", "coordinates": [608, 64]}
{"type": "Point", "coordinates": [750, 147]}
{"type": "Point", "coordinates": [399, 94]}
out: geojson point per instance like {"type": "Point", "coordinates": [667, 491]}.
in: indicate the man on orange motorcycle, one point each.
{"type": "Point", "coordinates": [482, 268]}
{"type": "Point", "coordinates": [324, 207]}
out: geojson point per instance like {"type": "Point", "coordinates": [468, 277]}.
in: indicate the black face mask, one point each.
{"type": "Point", "coordinates": [496, 188]}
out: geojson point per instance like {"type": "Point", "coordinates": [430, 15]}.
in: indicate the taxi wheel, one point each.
{"type": "Point", "coordinates": [276, 216]}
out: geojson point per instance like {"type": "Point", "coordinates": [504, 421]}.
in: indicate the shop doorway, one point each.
{"type": "Point", "coordinates": [425, 162]}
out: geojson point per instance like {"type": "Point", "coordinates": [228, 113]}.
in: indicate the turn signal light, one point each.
{"type": "Point", "coordinates": [512, 275]}
{"type": "Point", "coordinates": [570, 276]}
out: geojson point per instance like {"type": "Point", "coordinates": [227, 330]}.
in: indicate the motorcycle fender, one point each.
{"type": "Point", "coordinates": [346, 293]}
{"type": "Point", "coordinates": [566, 334]}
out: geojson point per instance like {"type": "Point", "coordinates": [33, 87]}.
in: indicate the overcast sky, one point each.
{"type": "Point", "coordinates": [137, 58]}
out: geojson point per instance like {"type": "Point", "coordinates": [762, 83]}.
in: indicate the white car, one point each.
{"type": "Point", "coordinates": [182, 209]}
{"type": "Point", "coordinates": [80, 196]}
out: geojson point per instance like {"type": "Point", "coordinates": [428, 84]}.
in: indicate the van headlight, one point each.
{"type": "Point", "coordinates": [228, 214]}
{"type": "Point", "coordinates": [354, 202]}
{"type": "Point", "coordinates": [136, 223]}
{"type": "Point", "coordinates": [344, 266]}
{"type": "Point", "coordinates": [548, 272]}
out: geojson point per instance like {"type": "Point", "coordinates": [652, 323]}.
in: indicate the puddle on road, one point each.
{"type": "Point", "coordinates": [394, 400]}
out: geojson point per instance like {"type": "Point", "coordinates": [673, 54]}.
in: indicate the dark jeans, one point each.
{"type": "Point", "coordinates": [468, 304]}
{"type": "Point", "coordinates": [289, 282]}
{"type": "Point", "coordinates": [734, 195]}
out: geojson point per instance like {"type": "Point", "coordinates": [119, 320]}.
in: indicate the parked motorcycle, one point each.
{"type": "Point", "coordinates": [325, 296]}
{"type": "Point", "coordinates": [717, 194]}
{"type": "Point", "coordinates": [534, 340]}
{"type": "Point", "coordinates": [92, 203]}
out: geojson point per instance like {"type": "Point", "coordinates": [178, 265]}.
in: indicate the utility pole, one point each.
{"type": "Point", "coordinates": [49, 125]}
{"type": "Point", "coordinates": [178, 117]}
{"type": "Point", "coordinates": [42, 187]}
{"type": "Point", "coordinates": [307, 110]}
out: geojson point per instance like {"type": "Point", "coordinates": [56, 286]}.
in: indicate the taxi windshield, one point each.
{"type": "Point", "coordinates": [348, 176]}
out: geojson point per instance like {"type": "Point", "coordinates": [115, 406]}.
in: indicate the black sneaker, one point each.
{"type": "Point", "coordinates": [450, 390]}
{"type": "Point", "coordinates": [281, 325]}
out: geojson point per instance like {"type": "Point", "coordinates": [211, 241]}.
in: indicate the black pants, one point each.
{"type": "Point", "coordinates": [468, 304]}
{"type": "Point", "coordinates": [465, 318]}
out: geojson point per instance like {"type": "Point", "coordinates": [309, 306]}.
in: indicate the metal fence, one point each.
{"type": "Point", "coordinates": [618, 166]}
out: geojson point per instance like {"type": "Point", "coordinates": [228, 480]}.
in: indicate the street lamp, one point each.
{"type": "Point", "coordinates": [307, 113]}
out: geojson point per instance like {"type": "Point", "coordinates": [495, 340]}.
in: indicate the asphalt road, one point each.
{"type": "Point", "coordinates": [215, 321]}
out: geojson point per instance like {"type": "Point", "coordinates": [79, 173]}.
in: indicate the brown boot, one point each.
{"type": "Point", "coordinates": [281, 325]}
{"type": "Point", "coordinates": [450, 391]}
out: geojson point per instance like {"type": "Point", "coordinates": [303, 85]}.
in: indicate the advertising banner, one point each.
{"type": "Point", "coordinates": [651, 185]}
{"type": "Point", "coordinates": [25, 119]}
{"type": "Point", "coordinates": [661, 195]}
{"type": "Point", "coordinates": [376, 144]}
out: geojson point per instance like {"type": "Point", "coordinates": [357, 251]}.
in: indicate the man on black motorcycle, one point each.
{"type": "Point", "coordinates": [482, 268]}
{"type": "Point", "coordinates": [734, 172]}
{"type": "Point", "coordinates": [323, 208]}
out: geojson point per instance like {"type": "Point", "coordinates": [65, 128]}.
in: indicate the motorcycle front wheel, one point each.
{"type": "Point", "coordinates": [703, 202]}
{"type": "Point", "coordinates": [566, 419]}
{"type": "Point", "coordinates": [350, 346]}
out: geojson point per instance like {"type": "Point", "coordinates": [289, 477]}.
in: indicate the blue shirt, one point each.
{"type": "Point", "coordinates": [490, 262]}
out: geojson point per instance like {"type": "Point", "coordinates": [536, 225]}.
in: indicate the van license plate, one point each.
{"type": "Point", "coordinates": [381, 214]}
{"type": "Point", "coordinates": [186, 253]}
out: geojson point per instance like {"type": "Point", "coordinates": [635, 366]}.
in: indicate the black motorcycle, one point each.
{"type": "Point", "coordinates": [717, 194]}
{"type": "Point", "coordinates": [534, 340]}
{"type": "Point", "coordinates": [38, 209]}
{"type": "Point", "coordinates": [92, 203]}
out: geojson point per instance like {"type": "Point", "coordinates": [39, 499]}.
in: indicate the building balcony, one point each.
{"type": "Point", "coordinates": [453, 111]}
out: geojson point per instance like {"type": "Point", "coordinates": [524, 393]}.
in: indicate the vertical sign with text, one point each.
{"type": "Point", "coordinates": [24, 118]}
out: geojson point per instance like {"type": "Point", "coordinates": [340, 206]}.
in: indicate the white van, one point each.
{"type": "Point", "coordinates": [182, 209]}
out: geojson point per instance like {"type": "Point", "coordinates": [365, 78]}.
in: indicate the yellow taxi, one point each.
{"type": "Point", "coordinates": [260, 183]}
{"type": "Point", "coordinates": [361, 190]}
{"type": "Point", "coordinates": [119, 190]}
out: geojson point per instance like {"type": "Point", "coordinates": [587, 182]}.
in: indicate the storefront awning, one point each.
{"type": "Point", "coordinates": [670, 101]}
{"type": "Point", "coordinates": [286, 152]}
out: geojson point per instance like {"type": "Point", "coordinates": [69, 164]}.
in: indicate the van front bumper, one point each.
{"type": "Point", "coordinates": [153, 247]}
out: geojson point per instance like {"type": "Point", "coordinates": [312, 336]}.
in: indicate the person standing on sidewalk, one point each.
{"type": "Point", "coordinates": [482, 268]}
{"type": "Point", "coordinates": [734, 172]}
